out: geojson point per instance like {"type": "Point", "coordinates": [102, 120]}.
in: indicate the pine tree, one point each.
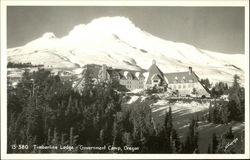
{"type": "Point", "coordinates": [191, 142]}
{"type": "Point", "coordinates": [117, 133]}
{"type": "Point", "coordinates": [209, 148]}
{"type": "Point", "coordinates": [176, 142]}
{"type": "Point", "coordinates": [236, 105]}
{"type": "Point", "coordinates": [214, 143]}
{"type": "Point", "coordinates": [210, 111]}
{"type": "Point", "coordinates": [229, 134]}
{"type": "Point", "coordinates": [224, 114]}
{"type": "Point", "coordinates": [205, 83]}
{"type": "Point", "coordinates": [168, 131]}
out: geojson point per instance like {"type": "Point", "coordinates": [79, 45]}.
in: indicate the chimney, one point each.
{"type": "Point", "coordinates": [190, 70]}
{"type": "Point", "coordinates": [104, 71]}
{"type": "Point", "coordinates": [153, 61]}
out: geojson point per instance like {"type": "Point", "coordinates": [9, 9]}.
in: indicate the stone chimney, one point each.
{"type": "Point", "coordinates": [104, 72]}
{"type": "Point", "coordinates": [153, 61]}
{"type": "Point", "coordinates": [190, 70]}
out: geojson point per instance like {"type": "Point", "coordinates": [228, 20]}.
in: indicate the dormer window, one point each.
{"type": "Point", "coordinates": [176, 80]}
{"type": "Point", "coordinates": [129, 77]}
{"type": "Point", "coordinates": [183, 80]}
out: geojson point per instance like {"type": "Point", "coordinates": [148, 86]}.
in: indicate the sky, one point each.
{"type": "Point", "coordinates": [219, 29]}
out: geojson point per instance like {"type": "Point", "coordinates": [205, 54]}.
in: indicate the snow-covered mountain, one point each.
{"type": "Point", "coordinates": [117, 42]}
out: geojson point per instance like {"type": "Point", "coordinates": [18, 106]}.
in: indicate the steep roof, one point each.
{"type": "Point", "coordinates": [93, 70]}
{"type": "Point", "coordinates": [122, 73]}
{"type": "Point", "coordinates": [177, 77]}
{"type": "Point", "coordinates": [152, 71]}
{"type": "Point", "coordinates": [156, 77]}
{"type": "Point", "coordinates": [90, 70]}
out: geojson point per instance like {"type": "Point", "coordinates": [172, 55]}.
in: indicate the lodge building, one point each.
{"type": "Point", "coordinates": [182, 82]}
{"type": "Point", "coordinates": [130, 79]}
{"type": "Point", "coordinates": [186, 83]}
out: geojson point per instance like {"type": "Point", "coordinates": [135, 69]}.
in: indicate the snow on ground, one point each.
{"type": "Point", "coordinates": [117, 42]}
{"type": "Point", "coordinates": [137, 91]}
{"type": "Point", "coordinates": [133, 99]}
{"type": "Point", "coordinates": [193, 107]}
{"type": "Point", "coordinates": [183, 112]}
{"type": "Point", "coordinates": [238, 127]}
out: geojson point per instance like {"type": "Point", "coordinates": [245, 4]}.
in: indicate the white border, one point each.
{"type": "Point", "coordinates": [5, 3]}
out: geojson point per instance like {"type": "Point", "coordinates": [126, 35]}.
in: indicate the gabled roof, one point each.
{"type": "Point", "coordinates": [93, 70]}
{"type": "Point", "coordinates": [152, 71]}
{"type": "Point", "coordinates": [177, 77]}
{"type": "Point", "coordinates": [122, 73]}
{"type": "Point", "coordinates": [90, 70]}
{"type": "Point", "coordinates": [156, 77]}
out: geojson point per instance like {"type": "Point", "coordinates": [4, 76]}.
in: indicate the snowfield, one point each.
{"type": "Point", "coordinates": [183, 112]}
{"type": "Point", "coordinates": [117, 42]}
{"type": "Point", "coordinates": [133, 99]}
{"type": "Point", "coordinates": [189, 107]}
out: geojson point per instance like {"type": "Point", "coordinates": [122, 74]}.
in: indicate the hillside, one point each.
{"type": "Point", "coordinates": [185, 110]}
{"type": "Point", "coordinates": [117, 42]}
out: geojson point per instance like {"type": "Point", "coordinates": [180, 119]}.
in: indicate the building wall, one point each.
{"type": "Point", "coordinates": [187, 88]}
{"type": "Point", "coordinates": [157, 84]}
{"type": "Point", "coordinates": [132, 84]}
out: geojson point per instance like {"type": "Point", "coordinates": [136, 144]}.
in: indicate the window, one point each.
{"type": "Point", "coordinates": [174, 86]}
{"type": "Point", "coordinates": [184, 86]}
{"type": "Point", "coordinates": [155, 81]}
{"type": "Point", "coordinates": [190, 85]}
{"type": "Point", "coordinates": [179, 86]}
{"type": "Point", "coordinates": [191, 81]}
{"type": "Point", "coordinates": [183, 79]}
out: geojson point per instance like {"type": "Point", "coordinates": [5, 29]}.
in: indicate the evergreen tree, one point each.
{"type": "Point", "coordinates": [209, 148]}
{"type": "Point", "coordinates": [191, 142]}
{"type": "Point", "coordinates": [205, 83]}
{"type": "Point", "coordinates": [219, 89]}
{"type": "Point", "coordinates": [210, 111]}
{"type": "Point", "coordinates": [229, 134]}
{"type": "Point", "coordinates": [236, 105]}
{"type": "Point", "coordinates": [168, 126]}
{"type": "Point", "coordinates": [224, 114]}
{"type": "Point", "coordinates": [176, 142]}
{"type": "Point", "coordinates": [214, 143]}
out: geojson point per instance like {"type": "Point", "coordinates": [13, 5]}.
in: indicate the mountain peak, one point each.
{"type": "Point", "coordinates": [104, 26]}
{"type": "Point", "coordinates": [116, 21]}
{"type": "Point", "coordinates": [46, 40]}
{"type": "Point", "coordinates": [48, 35]}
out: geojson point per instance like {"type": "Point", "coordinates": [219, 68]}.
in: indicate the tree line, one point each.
{"type": "Point", "coordinates": [44, 110]}
{"type": "Point", "coordinates": [22, 65]}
